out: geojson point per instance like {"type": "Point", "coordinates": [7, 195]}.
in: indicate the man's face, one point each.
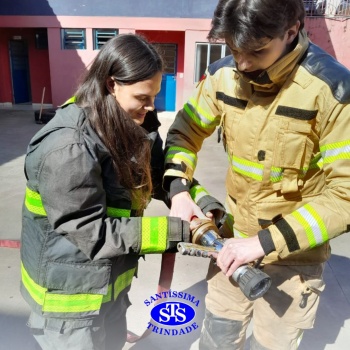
{"type": "Point", "coordinates": [267, 52]}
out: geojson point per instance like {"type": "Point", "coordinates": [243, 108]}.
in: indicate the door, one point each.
{"type": "Point", "coordinates": [165, 100]}
{"type": "Point", "coordinates": [20, 71]}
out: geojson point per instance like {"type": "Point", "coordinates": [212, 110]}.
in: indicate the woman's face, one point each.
{"type": "Point", "coordinates": [137, 99]}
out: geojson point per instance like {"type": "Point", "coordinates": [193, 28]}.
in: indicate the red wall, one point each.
{"type": "Point", "coordinates": [171, 37]}
{"type": "Point", "coordinates": [5, 73]}
{"type": "Point", "coordinates": [39, 70]}
{"type": "Point", "coordinates": [168, 37]}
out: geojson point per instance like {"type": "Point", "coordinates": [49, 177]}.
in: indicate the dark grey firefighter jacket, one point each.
{"type": "Point", "coordinates": [80, 239]}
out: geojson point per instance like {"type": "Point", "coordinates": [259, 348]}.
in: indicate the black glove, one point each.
{"type": "Point", "coordinates": [209, 203]}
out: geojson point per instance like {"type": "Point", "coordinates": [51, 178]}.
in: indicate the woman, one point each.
{"type": "Point", "coordinates": [91, 172]}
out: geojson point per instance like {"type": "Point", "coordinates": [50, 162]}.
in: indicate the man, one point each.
{"type": "Point", "coordinates": [282, 104]}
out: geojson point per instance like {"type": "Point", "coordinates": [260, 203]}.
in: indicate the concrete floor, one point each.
{"type": "Point", "coordinates": [17, 126]}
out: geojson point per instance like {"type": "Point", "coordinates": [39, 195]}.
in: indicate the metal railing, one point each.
{"type": "Point", "coordinates": [327, 8]}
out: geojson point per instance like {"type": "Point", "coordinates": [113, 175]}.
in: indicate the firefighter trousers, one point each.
{"type": "Point", "coordinates": [278, 318]}
{"type": "Point", "coordinates": [107, 331]}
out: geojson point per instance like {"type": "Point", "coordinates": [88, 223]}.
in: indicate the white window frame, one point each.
{"type": "Point", "coordinates": [224, 52]}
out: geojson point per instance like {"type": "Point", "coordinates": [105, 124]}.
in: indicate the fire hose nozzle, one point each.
{"type": "Point", "coordinates": [253, 282]}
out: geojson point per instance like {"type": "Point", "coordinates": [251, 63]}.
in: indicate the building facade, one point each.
{"type": "Point", "coordinates": [46, 45]}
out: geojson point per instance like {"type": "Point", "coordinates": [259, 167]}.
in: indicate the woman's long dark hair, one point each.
{"type": "Point", "coordinates": [129, 59]}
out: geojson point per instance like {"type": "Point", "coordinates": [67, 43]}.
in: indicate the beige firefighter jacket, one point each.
{"type": "Point", "coordinates": [287, 136]}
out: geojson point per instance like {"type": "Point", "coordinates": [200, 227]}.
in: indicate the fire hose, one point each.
{"type": "Point", "coordinates": [206, 242]}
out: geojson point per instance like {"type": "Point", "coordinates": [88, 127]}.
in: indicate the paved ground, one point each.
{"type": "Point", "coordinates": [332, 327]}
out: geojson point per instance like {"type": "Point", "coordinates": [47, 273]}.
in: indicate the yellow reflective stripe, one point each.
{"type": "Point", "coordinates": [230, 220]}
{"type": "Point", "coordinates": [313, 225]}
{"type": "Point", "coordinates": [51, 302]}
{"type": "Point", "coordinates": [118, 213]}
{"type": "Point", "coordinates": [247, 168]}
{"type": "Point", "coordinates": [122, 281]}
{"type": "Point", "coordinates": [256, 170]}
{"type": "Point", "coordinates": [276, 174]}
{"type": "Point", "coordinates": [239, 234]}
{"type": "Point", "coordinates": [182, 154]}
{"type": "Point", "coordinates": [72, 302]}
{"type": "Point", "coordinates": [34, 203]}
{"type": "Point", "coordinates": [316, 162]}
{"type": "Point", "coordinates": [335, 151]}
{"type": "Point", "coordinates": [154, 234]}
{"type": "Point", "coordinates": [197, 192]}
{"type": "Point", "coordinates": [36, 292]}
{"type": "Point", "coordinates": [108, 297]}
{"type": "Point", "coordinates": [73, 99]}
{"type": "Point", "coordinates": [200, 115]}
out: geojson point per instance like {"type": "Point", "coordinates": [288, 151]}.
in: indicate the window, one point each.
{"type": "Point", "coordinates": [73, 39]}
{"type": "Point", "coordinates": [168, 53]}
{"type": "Point", "coordinates": [207, 54]}
{"type": "Point", "coordinates": [101, 36]}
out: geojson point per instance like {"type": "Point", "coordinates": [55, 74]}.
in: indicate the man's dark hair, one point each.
{"type": "Point", "coordinates": [245, 22]}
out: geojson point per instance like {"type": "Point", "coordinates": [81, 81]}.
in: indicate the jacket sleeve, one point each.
{"type": "Point", "coordinates": [327, 215]}
{"type": "Point", "coordinates": [71, 188]}
{"type": "Point", "coordinates": [196, 121]}
{"type": "Point", "coordinates": [207, 202]}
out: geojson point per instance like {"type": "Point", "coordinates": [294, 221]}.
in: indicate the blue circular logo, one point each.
{"type": "Point", "coordinates": [172, 313]}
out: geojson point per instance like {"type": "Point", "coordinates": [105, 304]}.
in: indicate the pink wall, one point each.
{"type": "Point", "coordinates": [332, 35]}
{"type": "Point", "coordinates": [66, 66]}
{"type": "Point", "coordinates": [192, 37]}
{"type": "Point", "coordinates": [63, 62]}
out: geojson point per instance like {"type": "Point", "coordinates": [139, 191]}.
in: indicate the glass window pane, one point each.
{"type": "Point", "coordinates": [227, 51]}
{"type": "Point", "coordinates": [101, 36]}
{"type": "Point", "coordinates": [169, 54]}
{"type": "Point", "coordinates": [215, 52]}
{"type": "Point", "coordinates": [73, 39]}
{"type": "Point", "coordinates": [201, 60]}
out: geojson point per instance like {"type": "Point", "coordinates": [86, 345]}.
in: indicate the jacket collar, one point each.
{"type": "Point", "coordinates": [275, 76]}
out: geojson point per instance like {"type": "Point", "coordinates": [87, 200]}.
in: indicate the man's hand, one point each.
{"type": "Point", "coordinates": [238, 251]}
{"type": "Point", "coordinates": [183, 206]}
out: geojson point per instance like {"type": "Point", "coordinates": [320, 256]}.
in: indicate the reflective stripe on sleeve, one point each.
{"type": "Point", "coordinates": [181, 154]}
{"type": "Point", "coordinates": [335, 151]}
{"type": "Point", "coordinates": [197, 192]}
{"type": "Point", "coordinates": [34, 203]}
{"type": "Point", "coordinates": [154, 234]}
{"type": "Point", "coordinates": [239, 234]}
{"type": "Point", "coordinates": [199, 115]}
{"type": "Point", "coordinates": [118, 213]}
{"type": "Point", "coordinates": [313, 225]}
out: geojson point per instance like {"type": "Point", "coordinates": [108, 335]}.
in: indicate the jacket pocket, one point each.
{"type": "Point", "coordinates": [292, 154]}
{"type": "Point", "coordinates": [78, 278]}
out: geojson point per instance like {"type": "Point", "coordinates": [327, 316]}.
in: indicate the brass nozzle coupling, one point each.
{"type": "Point", "coordinates": [206, 234]}
{"type": "Point", "coordinates": [204, 225]}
